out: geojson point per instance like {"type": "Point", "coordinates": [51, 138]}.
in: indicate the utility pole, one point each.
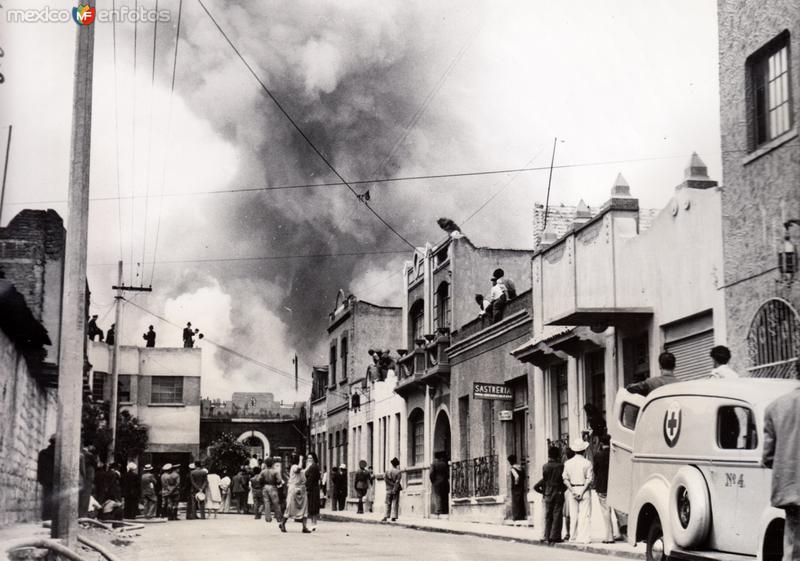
{"type": "Point", "coordinates": [112, 410]}
{"type": "Point", "coordinates": [73, 314]}
{"type": "Point", "coordinates": [294, 360]}
{"type": "Point", "coordinates": [5, 173]}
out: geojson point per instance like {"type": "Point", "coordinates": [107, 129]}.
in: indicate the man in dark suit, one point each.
{"type": "Point", "coordinates": [199, 484]}
{"type": "Point", "coordinates": [552, 487]}
{"type": "Point", "coordinates": [440, 483]}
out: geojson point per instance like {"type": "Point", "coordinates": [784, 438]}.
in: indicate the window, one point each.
{"type": "Point", "coordinates": [166, 389]}
{"type": "Point", "coordinates": [559, 374]}
{"type": "Point", "coordinates": [419, 442]}
{"type": "Point", "coordinates": [332, 365]}
{"type": "Point", "coordinates": [736, 428]}
{"type": "Point", "coordinates": [773, 342]}
{"type": "Point", "coordinates": [488, 427]}
{"type": "Point", "coordinates": [397, 435]}
{"type": "Point", "coordinates": [442, 312]}
{"type": "Point", "coordinates": [98, 386]}
{"type": "Point", "coordinates": [463, 418]}
{"type": "Point", "coordinates": [343, 352]}
{"type": "Point", "coordinates": [594, 365]}
{"type": "Point", "coordinates": [416, 324]}
{"type": "Point", "coordinates": [628, 415]}
{"type": "Point", "coordinates": [770, 100]}
{"type": "Point", "coordinates": [124, 388]}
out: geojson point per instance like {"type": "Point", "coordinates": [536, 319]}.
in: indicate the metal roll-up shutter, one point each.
{"type": "Point", "coordinates": [692, 355]}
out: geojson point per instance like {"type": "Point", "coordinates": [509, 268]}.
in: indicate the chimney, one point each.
{"type": "Point", "coordinates": [695, 176]}
{"type": "Point", "coordinates": [621, 189]}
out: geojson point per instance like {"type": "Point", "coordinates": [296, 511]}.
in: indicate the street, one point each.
{"type": "Point", "coordinates": [243, 538]}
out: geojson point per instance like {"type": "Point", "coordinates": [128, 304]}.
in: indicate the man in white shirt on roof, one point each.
{"type": "Point", "coordinates": [721, 355]}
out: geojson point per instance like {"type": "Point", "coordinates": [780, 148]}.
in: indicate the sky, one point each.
{"type": "Point", "coordinates": [406, 88]}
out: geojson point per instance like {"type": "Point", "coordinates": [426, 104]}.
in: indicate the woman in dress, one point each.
{"type": "Point", "coordinates": [296, 496]}
{"type": "Point", "coordinates": [312, 488]}
{"type": "Point", "coordinates": [214, 494]}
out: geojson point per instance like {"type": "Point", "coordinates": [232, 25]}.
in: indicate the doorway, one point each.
{"type": "Point", "coordinates": [440, 492]}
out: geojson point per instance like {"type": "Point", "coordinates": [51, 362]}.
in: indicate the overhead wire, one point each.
{"type": "Point", "coordinates": [301, 132]}
{"type": "Point", "coordinates": [266, 257]}
{"type": "Point", "coordinates": [366, 181]}
{"type": "Point", "coordinates": [133, 145]}
{"type": "Point", "coordinates": [149, 142]}
{"type": "Point", "coordinates": [166, 141]}
{"type": "Point", "coordinates": [116, 123]}
{"type": "Point", "coordinates": [229, 350]}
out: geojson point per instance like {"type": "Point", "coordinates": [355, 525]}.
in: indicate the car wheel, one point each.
{"type": "Point", "coordinates": [689, 508]}
{"type": "Point", "coordinates": [655, 543]}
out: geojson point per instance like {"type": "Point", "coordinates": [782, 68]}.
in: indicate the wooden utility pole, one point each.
{"type": "Point", "coordinates": [73, 314]}
{"type": "Point", "coordinates": [296, 379]}
{"type": "Point", "coordinates": [112, 410]}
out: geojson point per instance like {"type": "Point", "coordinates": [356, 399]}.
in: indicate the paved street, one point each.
{"type": "Point", "coordinates": [244, 539]}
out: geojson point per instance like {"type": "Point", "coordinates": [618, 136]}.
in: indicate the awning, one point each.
{"type": "Point", "coordinates": [602, 316]}
{"type": "Point", "coordinates": [539, 354]}
{"type": "Point", "coordinates": [579, 340]}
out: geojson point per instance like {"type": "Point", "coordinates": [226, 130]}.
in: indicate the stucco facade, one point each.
{"type": "Point", "coordinates": [174, 418]}
{"type": "Point", "coordinates": [608, 298]}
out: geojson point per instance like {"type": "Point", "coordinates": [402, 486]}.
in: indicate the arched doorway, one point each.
{"type": "Point", "coordinates": [441, 435]}
{"type": "Point", "coordinates": [256, 442]}
{"type": "Point", "coordinates": [440, 494]}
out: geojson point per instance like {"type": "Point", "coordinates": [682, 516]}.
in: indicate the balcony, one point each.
{"type": "Point", "coordinates": [410, 369]}
{"type": "Point", "coordinates": [437, 363]}
{"type": "Point", "coordinates": [475, 477]}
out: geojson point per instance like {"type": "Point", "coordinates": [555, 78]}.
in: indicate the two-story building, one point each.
{"type": "Point", "coordinates": [161, 387]}
{"type": "Point", "coordinates": [441, 408]}
{"type": "Point", "coordinates": [759, 81]}
{"type": "Point", "coordinates": [608, 298]}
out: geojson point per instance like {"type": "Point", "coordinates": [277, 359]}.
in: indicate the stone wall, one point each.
{"type": "Point", "coordinates": [25, 430]}
{"type": "Point", "coordinates": [760, 186]}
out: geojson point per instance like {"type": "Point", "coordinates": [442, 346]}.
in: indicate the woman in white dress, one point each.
{"type": "Point", "coordinates": [296, 497]}
{"type": "Point", "coordinates": [225, 489]}
{"type": "Point", "coordinates": [214, 495]}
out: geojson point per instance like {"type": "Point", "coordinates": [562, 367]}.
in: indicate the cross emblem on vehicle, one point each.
{"type": "Point", "coordinates": [672, 424]}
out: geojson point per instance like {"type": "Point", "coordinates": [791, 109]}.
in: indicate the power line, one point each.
{"type": "Point", "coordinates": [366, 181]}
{"type": "Point", "coordinates": [149, 140]}
{"type": "Point", "coordinates": [265, 257]}
{"type": "Point", "coordinates": [425, 104]}
{"type": "Point", "coordinates": [301, 132]}
{"type": "Point", "coordinates": [116, 123]}
{"type": "Point", "coordinates": [133, 146]}
{"type": "Point", "coordinates": [229, 350]}
{"type": "Point", "coordinates": [166, 143]}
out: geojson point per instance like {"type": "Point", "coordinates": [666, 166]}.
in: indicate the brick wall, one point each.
{"type": "Point", "coordinates": [25, 430]}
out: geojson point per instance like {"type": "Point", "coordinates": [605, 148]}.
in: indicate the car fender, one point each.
{"type": "Point", "coordinates": [654, 491]}
{"type": "Point", "coordinates": [769, 515]}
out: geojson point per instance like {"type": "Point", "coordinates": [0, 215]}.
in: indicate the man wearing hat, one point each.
{"type": "Point", "coordinates": [92, 330]}
{"type": "Point", "coordinates": [148, 491]}
{"type": "Point", "coordinates": [170, 489]}
{"type": "Point", "coordinates": [341, 487]}
{"type": "Point", "coordinates": [578, 478]}
{"type": "Point", "coordinates": [392, 479]}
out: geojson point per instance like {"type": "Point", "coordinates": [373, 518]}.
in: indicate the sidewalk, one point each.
{"type": "Point", "coordinates": [491, 531]}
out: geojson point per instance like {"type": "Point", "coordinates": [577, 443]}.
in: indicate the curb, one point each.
{"type": "Point", "coordinates": [529, 541]}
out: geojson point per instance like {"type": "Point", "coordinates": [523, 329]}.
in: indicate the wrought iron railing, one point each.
{"type": "Point", "coordinates": [475, 477]}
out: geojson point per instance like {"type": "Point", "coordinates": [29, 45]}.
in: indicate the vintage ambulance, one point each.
{"type": "Point", "coordinates": [686, 469]}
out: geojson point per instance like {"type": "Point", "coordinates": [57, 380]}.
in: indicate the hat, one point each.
{"type": "Point", "coordinates": [395, 462]}
{"type": "Point", "coordinates": [166, 467]}
{"type": "Point", "coordinates": [578, 445]}
{"type": "Point", "coordinates": [192, 466]}
{"type": "Point", "coordinates": [498, 273]}
{"type": "Point", "coordinates": [342, 466]}
{"type": "Point", "coordinates": [175, 466]}
{"type": "Point", "coordinates": [148, 467]}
